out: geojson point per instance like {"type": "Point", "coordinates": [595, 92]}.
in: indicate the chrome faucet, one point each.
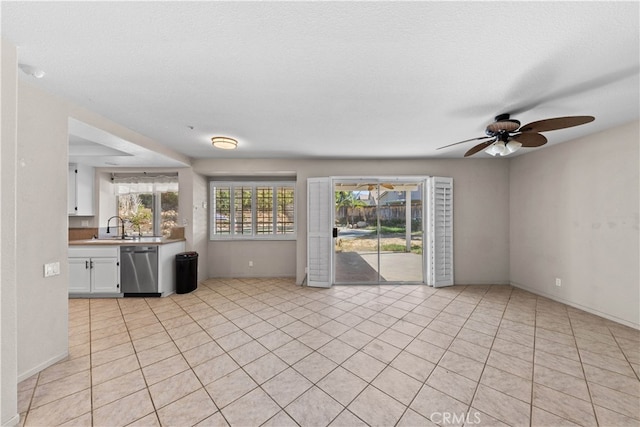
{"type": "Point", "coordinates": [122, 236]}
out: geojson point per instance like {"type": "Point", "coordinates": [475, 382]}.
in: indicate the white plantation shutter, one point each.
{"type": "Point", "coordinates": [440, 217]}
{"type": "Point", "coordinates": [319, 232]}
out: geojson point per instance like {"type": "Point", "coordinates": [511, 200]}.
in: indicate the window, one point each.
{"type": "Point", "coordinates": [148, 204]}
{"type": "Point", "coordinates": [252, 210]}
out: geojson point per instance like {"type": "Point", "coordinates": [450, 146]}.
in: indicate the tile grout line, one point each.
{"type": "Point", "coordinates": [615, 338]}
{"type": "Point", "coordinates": [408, 407]}
{"type": "Point", "coordinates": [316, 303]}
{"type": "Point", "coordinates": [144, 378]}
{"type": "Point", "coordinates": [91, 363]}
{"type": "Point", "coordinates": [593, 406]}
{"type": "Point", "coordinates": [315, 384]}
{"type": "Point", "coordinates": [239, 368]}
{"type": "Point", "coordinates": [190, 367]}
{"type": "Point", "coordinates": [484, 366]}
{"type": "Point", "coordinates": [226, 352]}
{"type": "Point", "coordinates": [533, 362]}
{"type": "Point", "coordinates": [559, 391]}
{"type": "Point", "coordinates": [370, 383]}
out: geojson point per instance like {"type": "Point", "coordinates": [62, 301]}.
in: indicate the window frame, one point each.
{"type": "Point", "coordinates": [232, 185]}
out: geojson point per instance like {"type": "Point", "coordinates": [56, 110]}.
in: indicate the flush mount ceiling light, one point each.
{"type": "Point", "coordinates": [224, 142]}
{"type": "Point", "coordinates": [31, 71]}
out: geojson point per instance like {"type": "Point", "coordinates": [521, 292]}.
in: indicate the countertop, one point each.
{"type": "Point", "coordinates": [143, 241]}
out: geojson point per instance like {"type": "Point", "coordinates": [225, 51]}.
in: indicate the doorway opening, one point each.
{"type": "Point", "coordinates": [378, 231]}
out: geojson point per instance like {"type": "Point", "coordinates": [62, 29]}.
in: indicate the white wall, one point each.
{"type": "Point", "coordinates": [41, 220]}
{"type": "Point", "coordinates": [481, 214]}
{"type": "Point", "coordinates": [107, 205]}
{"type": "Point", "coordinates": [574, 216]}
{"type": "Point", "coordinates": [199, 237]}
{"type": "Point", "coordinates": [8, 288]}
{"type": "Point", "coordinates": [269, 258]}
{"type": "Point", "coordinates": [41, 227]}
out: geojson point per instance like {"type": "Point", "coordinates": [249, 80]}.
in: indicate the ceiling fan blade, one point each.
{"type": "Point", "coordinates": [530, 139]}
{"type": "Point", "coordinates": [466, 140]}
{"type": "Point", "coordinates": [479, 147]}
{"type": "Point", "coordinates": [555, 124]}
{"type": "Point", "coordinates": [567, 90]}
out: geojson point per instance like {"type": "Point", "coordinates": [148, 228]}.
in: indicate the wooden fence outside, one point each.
{"type": "Point", "coordinates": [369, 213]}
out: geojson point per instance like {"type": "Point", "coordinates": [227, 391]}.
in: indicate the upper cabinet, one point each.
{"type": "Point", "coordinates": [81, 189]}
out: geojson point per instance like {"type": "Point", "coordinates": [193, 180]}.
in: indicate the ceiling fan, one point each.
{"type": "Point", "coordinates": [505, 135]}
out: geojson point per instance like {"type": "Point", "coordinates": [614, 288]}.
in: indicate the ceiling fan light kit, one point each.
{"type": "Point", "coordinates": [504, 137]}
{"type": "Point", "coordinates": [513, 146]}
{"type": "Point", "coordinates": [224, 142]}
{"type": "Point", "coordinates": [502, 149]}
{"type": "Point", "coordinates": [496, 149]}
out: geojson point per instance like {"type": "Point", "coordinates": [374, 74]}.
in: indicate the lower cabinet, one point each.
{"type": "Point", "coordinates": [94, 270]}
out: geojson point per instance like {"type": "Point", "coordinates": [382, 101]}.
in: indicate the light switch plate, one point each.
{"type": "Point", "coordinates": [52, 269]}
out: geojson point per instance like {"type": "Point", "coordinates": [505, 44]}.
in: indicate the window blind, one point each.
{"type": "Point", "coordinates": [132, 183]}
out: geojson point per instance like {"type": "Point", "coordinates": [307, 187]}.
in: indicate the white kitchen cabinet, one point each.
{"type": "Point", "coordinates": [81, 189]}
{"type": "Point", "coordinates": [105, 275]}
{"type": "Point", "coordinates": [79, 275]}
{"type": "Point", "coordinates": [94, 270]}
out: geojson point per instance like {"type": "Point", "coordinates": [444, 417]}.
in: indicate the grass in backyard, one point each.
{"type": "Point", "coordinates": [395, 247]}
{"type": "Point", "coordinates": [385, 229]}
{"type": "Point", "coordinates": [394, 243]}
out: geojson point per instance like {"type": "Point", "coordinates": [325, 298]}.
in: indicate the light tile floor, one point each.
{"type": "Point", "coordinates": [250, 352]}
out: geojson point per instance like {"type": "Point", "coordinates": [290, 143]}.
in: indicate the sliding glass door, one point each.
{"type": "Point", "coordinates": [400, 216]}
{"type": "Point", "coordinates": [378, 232]}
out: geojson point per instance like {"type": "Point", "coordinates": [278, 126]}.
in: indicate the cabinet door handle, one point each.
{"type": "Point", "coordinates": [91, 263]}
{"type": "Point", "coordinates": [86, 264]}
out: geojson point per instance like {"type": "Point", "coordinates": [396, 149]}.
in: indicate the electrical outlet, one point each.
{"type": "Point", "coordinates": [558, 282]}
{"type": "Point", "coordinates": [250, 263]}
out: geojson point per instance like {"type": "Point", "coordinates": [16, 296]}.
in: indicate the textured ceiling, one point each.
{"type": "Point", "coordinates": [333, 79]}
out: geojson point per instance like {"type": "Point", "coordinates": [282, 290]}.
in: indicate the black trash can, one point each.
{"type": "Point", "coordinates": [186, 272]}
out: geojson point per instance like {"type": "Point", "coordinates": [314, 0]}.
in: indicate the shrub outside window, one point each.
{"type": "Point", "coordinates": [147, 202]}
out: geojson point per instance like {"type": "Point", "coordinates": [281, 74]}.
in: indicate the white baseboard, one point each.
{"type": "Point", "coordinates": [483, 283]}
{"type": "Point", "coordinates": [576, 305]}
{"type": "Point", "coordinates": [13, 421]}
{"type": "Point", "coordinates": [23, 376]}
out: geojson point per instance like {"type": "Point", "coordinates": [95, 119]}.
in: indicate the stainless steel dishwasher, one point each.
{"type": "Point", "coordinates": [139, 271]}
